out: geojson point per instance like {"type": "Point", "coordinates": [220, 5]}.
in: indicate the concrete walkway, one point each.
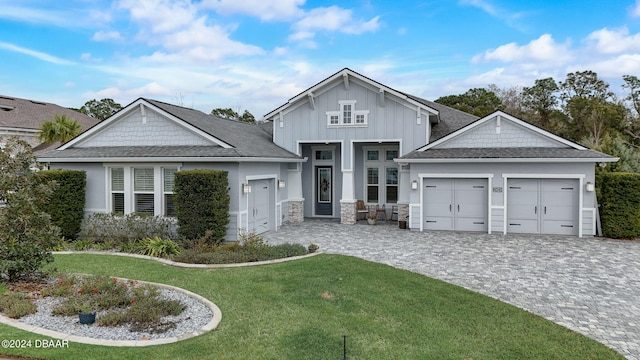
{"type": "Point", "coordinates": [590, 285]}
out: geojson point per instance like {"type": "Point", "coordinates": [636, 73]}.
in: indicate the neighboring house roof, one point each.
{"type": "Point", "coordinates": [30, 114]}
{"type": "Point", "coordinates": [235, 140]}
{"type": "Point", "coordinates": [448, 147]}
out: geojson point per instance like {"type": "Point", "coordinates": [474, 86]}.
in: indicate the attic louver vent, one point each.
{"type": "Point", "coordinates": [7, 98]}
{"type": "Point", "coordinates": [38, 102]}
{"type": "Point", "coordinates": [6, 107]}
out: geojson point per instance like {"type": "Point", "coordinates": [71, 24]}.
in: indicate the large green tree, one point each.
{"type": "Point", "coordinates": [100, 109]}
{"type": "Point", "coordinates": [27, 232]}
{"type": "Point", "coordinates": [477, 101]}
{"type": "Point", "coordinates": [60, 128]}
{"type": "Point", "coordinates": [592, 109]}
{"type": "Point", "coordinates": [228, 113]}
{"type": "Point", "coordinates": [542, 100]}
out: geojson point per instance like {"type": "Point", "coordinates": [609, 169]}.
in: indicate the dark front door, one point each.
{"type": "Point", "coordinates": [324, 191]}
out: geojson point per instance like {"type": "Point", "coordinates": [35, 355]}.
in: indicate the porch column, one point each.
{"type": "Point", "coordinates": [296, 201]}
{"type": "Point", "coordinates": [404, 192]}
{"type": "Point", "coordinates": [348, 201]}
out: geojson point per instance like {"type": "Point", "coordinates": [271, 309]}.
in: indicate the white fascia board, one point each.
{"type": "Point", "coordinates": [339, 77]}
{"type": "Point", "coordinates": [509, 160]}
{"type": "Point", "coordinates": [509, 117]}
{"type": "Point", "coordinates": [169, 159]}
{"type": "Point", "coordinates": [134, 106]}
{"type": "Point", "coordinates": [189, 126]}
{"type": "Point", "coordinates": [103, 124]}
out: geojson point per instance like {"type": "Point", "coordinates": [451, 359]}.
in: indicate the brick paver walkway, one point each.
{"type": "Point", "coordinates": [590, 285]}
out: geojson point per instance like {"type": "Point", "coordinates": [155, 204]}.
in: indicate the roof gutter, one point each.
{"type": "Point", "coordinates": [506, 160]}
{"type": "Point", "coordinates": [171, 159]}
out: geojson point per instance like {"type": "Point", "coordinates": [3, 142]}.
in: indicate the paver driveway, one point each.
{"type": "Point", "coordinates": [590, 285]}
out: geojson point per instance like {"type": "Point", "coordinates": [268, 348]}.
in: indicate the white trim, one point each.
{"type": "Point", "coordinates": [134, 106]}
{"type": "Point", "coordinates": [489, 177]}
{"type": "Point", "coordinates": [380, 142]}
{"type": "Point", "coordinates": [508, 117]}
{"type": "Point", "coordinates": [273, 177]}
{"type": "Point", "coordinates": [340, 114]}
{"type": "Point", "coordinates": [331, 163]}
{"type": "Point", "coordinates": [129, 192]}
{"type": "Point", "coordinates": [340, 75]}
{"type": "Point", "coordinates": [579, 177]}
{"type": "Point", "coordinates": [169, 159]}
{"type": "Point", "coordinates": [509, 160]}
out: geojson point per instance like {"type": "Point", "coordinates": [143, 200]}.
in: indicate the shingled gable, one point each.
{"type": "Point", "coordinates": [345, 76]}
{"type": "Point", "coordinates": [211, 138]}
{"type": "Point", "coordinates": [523, 142]}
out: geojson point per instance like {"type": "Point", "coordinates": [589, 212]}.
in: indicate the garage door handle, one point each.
{"type": "Point", "coordinates": [545, 210]}
{"type": "Point", "coordinates": [458, 207]}
{"type": "Point", "coordinates": [449, 207]}
{"type": "Point", "coordinates": [535, 209]}
{"type": "Point", "coordinates": [515, 224]}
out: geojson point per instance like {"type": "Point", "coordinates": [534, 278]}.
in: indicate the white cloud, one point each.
{"type": "Point", "coordinates": [613, 67]}
{"type": "Point", "coordinates": [202, 43]}
{"type": "Point", "coordinates": [543, 49]}
{"type": "Point", "coordinates": [510, 18]}
{"type": "Point", "coordinates": [635, 9]}
{"type": "Point", "coordinates": [615, 41]}
{"type": "Point", "coordinates": [265, 10]}
{"type": "Point", "coordinates": [182, 34]}
{"type": "Point", "coordinates": [106, 36]}
{"type": "Point", "coordinates": [161, 16]}
{"type": "Point", "coordinates": [331, 18]}
{"type": "Point", "coordinates": [36, 54]}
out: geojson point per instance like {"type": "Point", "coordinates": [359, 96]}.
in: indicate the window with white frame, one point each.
{"type": "Point", "coordinates": [347, 115]}
{"type": "Point", "coordinates": [381, 175]}
{"type": "Point", "coordinates": [143, 186]}
{"type": "Point", "coordinates": [142, 189]}
{"type": "Point", "coordinates": [117, 190]}
{"type": "Point", "coordinates": [167, 188]}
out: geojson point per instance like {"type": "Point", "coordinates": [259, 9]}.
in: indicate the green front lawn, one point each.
{"type": "Point", "coordinates": [301, 309]}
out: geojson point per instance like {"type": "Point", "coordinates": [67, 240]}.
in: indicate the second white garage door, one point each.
{"type": "Point", "coordinates": [455, 204]}
{"type": "Point", "coordinates": [542, 206]}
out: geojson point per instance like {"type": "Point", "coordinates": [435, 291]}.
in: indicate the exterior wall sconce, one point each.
{"type": "Point", "coordinates": [589, 187]}
{"type": "Point", "coordinates": [281, 183]}
{"type": "Point", "coordinates": [246, 188]}
{"type": "Point", "coordinates": [414, 185]}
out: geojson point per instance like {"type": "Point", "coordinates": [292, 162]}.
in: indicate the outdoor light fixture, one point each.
{"type": "Point", "coordinates": [281, 183]}
{"type": "Point", "coordinates": [414, 185]}
{"type": "Point", "coordinates": [246, 188]}
{"type": "Point", "coordinates": [590, 187]}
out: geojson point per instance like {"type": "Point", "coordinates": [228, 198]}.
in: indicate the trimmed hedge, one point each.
{"type": "Point", "coordinates": [619, 195]}
{"type": "Point", "coordinates": [66, 205]}
{"type": "Point", "coordinates": [202, 203]}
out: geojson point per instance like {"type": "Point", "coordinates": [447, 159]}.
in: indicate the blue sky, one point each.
{"type": "Point", "coordinates": [256, 54]}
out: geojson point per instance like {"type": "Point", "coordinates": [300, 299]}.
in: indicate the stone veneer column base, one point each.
{"type": "Point", "coordinates": [348, 212]}
{"type": "Point", "coordinates": [403, 212]}
{"type": "Point", "coordinates": [296, 211]}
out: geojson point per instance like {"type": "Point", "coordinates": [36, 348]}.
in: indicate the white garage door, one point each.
{"type": "Point", "coordinates": [455, 204]}
{"type": "Point", "coordinates": [259, 206]}
{"type": "Point", "coordinates": [542, 206]}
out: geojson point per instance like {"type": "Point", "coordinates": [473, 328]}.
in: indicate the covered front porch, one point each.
{"type": "Point", "coordinates": [337, 174]}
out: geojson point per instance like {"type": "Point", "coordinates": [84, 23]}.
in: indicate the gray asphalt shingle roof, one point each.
{"type": "Point", "coordinates": [507, 153]}
{"type": "Point", "coordinates": [248, 140]}
{"type": "Point", "coordinates": [30, 114]}
{"type": "Point", "coordinates": [450, 119]}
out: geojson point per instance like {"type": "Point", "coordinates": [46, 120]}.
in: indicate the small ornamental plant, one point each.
{"type": "Point", "coordinates": [119, 302]}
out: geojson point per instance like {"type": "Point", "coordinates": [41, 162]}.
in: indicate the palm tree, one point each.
{"type": "Point", "coordinates": [60, 128]}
